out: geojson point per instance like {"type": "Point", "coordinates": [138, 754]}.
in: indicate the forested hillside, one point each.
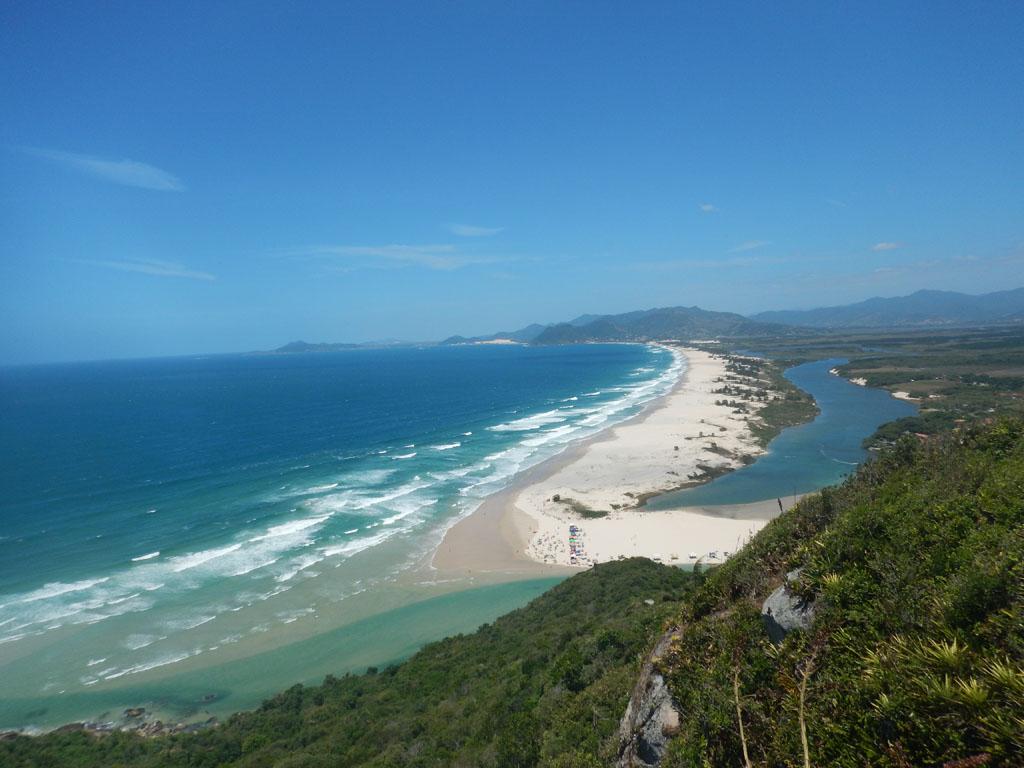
{"type": "Point", "coordinates": [898, 640]}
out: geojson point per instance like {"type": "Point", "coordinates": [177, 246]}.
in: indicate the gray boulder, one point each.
{"type": "Point", "coordinates": [785, 611]}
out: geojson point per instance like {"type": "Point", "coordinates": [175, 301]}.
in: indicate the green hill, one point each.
{"type": "Point", "coordinates": [684, 323]}
{"type": "Point", "coordinates": [913, 571]}
{"type": "Point", "coordinates": [897, 639]}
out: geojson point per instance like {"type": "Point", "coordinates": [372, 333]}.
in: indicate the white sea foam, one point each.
{"type": "Point", "coordinates": [290, 528]}
{"type": "Point", "coordinates": [453, 474]}
{"type": "Point", "coordinates": [320, 488]}
{"type": "Point", "coordinates": [194, 560]}
{"type": "Point", "coordinates": [56, 589]}
{"type": "Point", "coordinates": [367, 477]}
{"type": "Point", "coordinates": [403, 456]}
{"type": "Point", "coordinates": [187, 623]}
{"type": "Point", "coordinates": [147, 556]}
{"type": "Point", "coordinates": [163, 661]}
{"type": "Point", "coordinates": [137, 641]}
{"type": "Point", "coordinates": [298, 565]}
{"type": "Point", "coordinates": [529, 422]}
{"type": "Point", "coordinates": [357, 545]}
{"type": "Point", "coordinates": [407, 508]}
{"type": "Point", "coordinates": [446, 446]}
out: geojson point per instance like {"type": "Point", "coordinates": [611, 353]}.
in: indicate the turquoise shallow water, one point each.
{"type": "Point", "coordinates": [219, 690]}
{"type": "Point", "coordinates": [809, 456]}
{"type": "Point", "coordinates": [167, 518]}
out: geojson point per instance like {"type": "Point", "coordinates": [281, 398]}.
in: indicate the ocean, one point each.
{"type": "Point", "coordinates": [200, 532]}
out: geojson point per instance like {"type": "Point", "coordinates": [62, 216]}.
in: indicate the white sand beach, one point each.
{"type": "Point", "coordinates": [550, 517]}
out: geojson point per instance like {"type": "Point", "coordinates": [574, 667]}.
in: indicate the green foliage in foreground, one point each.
{"type": "Point", "coordinates": [916, 656]}
{"type": "Point", "coordinates": [544, 685]}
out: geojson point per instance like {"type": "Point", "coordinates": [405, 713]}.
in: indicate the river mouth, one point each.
{"type": "Point", "coordinates": [809, 456]}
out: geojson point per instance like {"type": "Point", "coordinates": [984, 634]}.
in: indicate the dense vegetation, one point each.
{"type": "Point", "coordinates": [544, 685]}
{"type": "Point", "coordinates": [958, 376]}
{"type": "Point", "coordinates": [787, 405]}
{"type": "Point", "coordinates": [916, 653]}
{"type": "Point", "coordinates": [915, 656]}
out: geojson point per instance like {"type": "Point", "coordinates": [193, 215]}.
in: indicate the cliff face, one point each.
{"type": "Point", "coordinates": [651, 717]}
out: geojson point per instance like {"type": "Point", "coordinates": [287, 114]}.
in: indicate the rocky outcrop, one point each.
{"type": "Point", "coordinates": [784, 610]}
{"type": "Point", "coordinates": [651, 718]}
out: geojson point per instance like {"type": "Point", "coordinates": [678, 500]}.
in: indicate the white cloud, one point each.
{"type": "Point", "coordinates": [884, 246]}
{"type": "Point", "coordinates": [749, 245]}
{"type": "Point", "coordinates": [708, 208]}
{"type": "Point", "coordinates": [151, 267]}
{"type": "Point", "coordinates": [129, 173]}
{"type": "Point", "coordinates": [468, 230]}
{"type": "Point", "coordinates": [444, 257]}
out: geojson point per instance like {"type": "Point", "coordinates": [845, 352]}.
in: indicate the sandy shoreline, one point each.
{"type": "Point", "coordinates": [535, 527]}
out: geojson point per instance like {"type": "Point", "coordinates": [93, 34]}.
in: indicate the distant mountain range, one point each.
{"type": "Point", "coordinates": [923, 309]}
{"type": "Point", "coordinates": [663, 323]}
{"type": "Point", "coordinates": [918, 310]}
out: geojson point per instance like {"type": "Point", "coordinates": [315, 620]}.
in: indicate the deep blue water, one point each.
{"type": "Point", "coordinates": [157, 511]}
{"type": "Point", "coordinates": [809, 456]}
{"type": "Point", "coordinates": [104, 462]}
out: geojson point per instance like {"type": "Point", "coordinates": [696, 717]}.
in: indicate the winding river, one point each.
{"type": "Point", "coordinates": [806, 457]}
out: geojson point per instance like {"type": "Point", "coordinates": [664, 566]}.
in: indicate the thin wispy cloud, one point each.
{"type": "Point", "coordinates": [128, 173]}
{"type": "Point", "coordinates": [443, 256]}
{"type": "Point", "coordinates": [749, 245]}
{"type": "Point", "coordinates": [469, 230]}
{"type": "Point", "coordinates": [708, 208]}
{"type": "Point", "coordinates": [153, 267]}
{"type": "Point", "coordinates": [886, 246]}
{"type": "Point", "coordinates": [836, 203]}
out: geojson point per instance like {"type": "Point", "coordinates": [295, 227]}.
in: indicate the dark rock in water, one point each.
{"type": "Point", "coordinates": [71, 728]}
{"type": "Point", "coordinates": [784, 610]}
{"type": "Point", "coordinates": [135, 712]}
{"type": "Point", "coordinates": [209, 697]}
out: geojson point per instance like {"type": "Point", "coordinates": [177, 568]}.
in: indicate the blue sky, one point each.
{"type": "Point", "coordinates": [207, 177]}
